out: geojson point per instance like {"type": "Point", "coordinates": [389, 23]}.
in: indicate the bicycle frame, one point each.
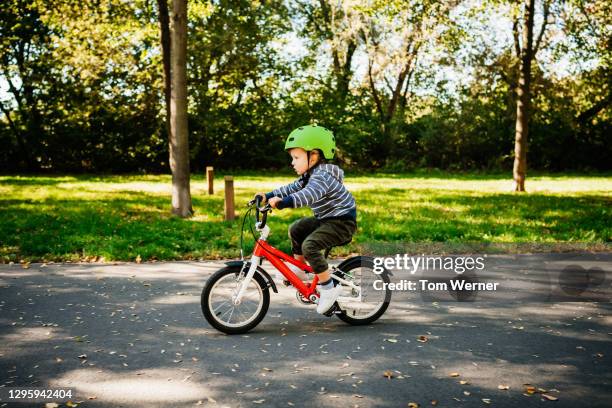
{"type": "Point", "coordinates": [263, 250]}
{"type": "Point", "coordinates": [276, 258]}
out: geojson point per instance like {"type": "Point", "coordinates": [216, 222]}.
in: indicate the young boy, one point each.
{"type": "Point", "coordinates": [319, 187]}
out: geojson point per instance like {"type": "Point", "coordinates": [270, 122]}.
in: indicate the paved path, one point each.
{"type": "Point", "coordinates": [132, 335]}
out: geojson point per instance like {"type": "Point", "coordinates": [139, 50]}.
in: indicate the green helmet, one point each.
{"type": "Point", "coordinates": [313, 137]}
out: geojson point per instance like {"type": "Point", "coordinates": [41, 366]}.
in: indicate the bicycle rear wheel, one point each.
{"type": "Point", "coordinates": [367, 306]}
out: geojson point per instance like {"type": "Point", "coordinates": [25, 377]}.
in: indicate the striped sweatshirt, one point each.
{"type": "Point", "coordinates": [322, 191]}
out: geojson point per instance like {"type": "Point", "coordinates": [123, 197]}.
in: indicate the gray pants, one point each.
{"type": "Point", "coordinates": [311, 236]}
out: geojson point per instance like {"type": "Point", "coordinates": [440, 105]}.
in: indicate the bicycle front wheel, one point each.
{"type": "Point", "coordinates": [219, 309]}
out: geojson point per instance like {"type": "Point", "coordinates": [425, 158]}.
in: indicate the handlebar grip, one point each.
{"type": "Point", "coordinates": [258, 199]}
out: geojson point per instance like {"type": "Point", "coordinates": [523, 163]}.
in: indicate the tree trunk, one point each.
{"type": "Point", "coordinates": [523, 99]}
{"type": "Point", "coordinates": [179, 141]}
{"type": "Point", "coordinates": [164, 27]}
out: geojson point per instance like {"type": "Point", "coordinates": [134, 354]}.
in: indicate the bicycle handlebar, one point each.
{"type": "Point", "coordinates": [264, 210]}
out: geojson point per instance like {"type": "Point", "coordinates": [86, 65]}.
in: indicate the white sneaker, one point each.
{"type": "Point", "coordinates": [328, 298]}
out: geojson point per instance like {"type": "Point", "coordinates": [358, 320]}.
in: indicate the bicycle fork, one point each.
{"type": "Point", "coordinates": [237, 297]}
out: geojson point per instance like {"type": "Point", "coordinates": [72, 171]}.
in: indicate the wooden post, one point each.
{"type": "Point", "coordinates": [229, 198]}
{"type": "Point", "coordinates": [210, 175]}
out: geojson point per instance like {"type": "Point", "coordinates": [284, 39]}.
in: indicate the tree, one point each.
{"type": "Point", "coordinates": [526, 50]}
{"type": "Point", "coordinates": [396, 35]}
{"type": "Point", "coordinates": [24, 66]}
{"type": "Point", "coordinates": [164, 28]}
{"type": "Point", "coordinates": [235, 72]}
{"type": "Point", "coordinates": [179, 140]}
{"type": "Point", "coordinates": [336, 25]}
{"type": "Point", "coordinates": [81, 92]}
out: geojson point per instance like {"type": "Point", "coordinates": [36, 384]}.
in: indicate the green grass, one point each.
{"type": "Point", "coordinates": [70, 218]}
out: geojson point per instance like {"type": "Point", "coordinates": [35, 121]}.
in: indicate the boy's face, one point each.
{"type": "Point", "coordinates": [299, 159]}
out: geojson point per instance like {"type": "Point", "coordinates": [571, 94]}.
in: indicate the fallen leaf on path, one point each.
{"type": "Point", "coordinates": [549, 397]}
{"type": "Point", "coordinates": [388, 374]}
{"type": "Point", "coordinates": [486, 400]}
{"type": "Point", "coordinates": [454, 374]}
{"type": "Point", "coordinates": [503, 387]}
{"type": "Point", "coordinates": [422, 339]}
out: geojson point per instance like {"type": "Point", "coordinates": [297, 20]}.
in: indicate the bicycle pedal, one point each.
{"type": "Point", "coordinates": [335, 309]}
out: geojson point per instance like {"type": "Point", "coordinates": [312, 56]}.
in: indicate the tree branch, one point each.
{"type": "Point", "coordinates": [411, 51]}
{"type": "Point", "coordinates": [374, 92]}
{"type": "Point", "coordinates": [388, 83]}
{"type": "Point", "coordinates": [546, 7]}
{"type": "Point", "coordinates": [408, 80]}
{"type": "Point", "coordinates": [7, 113]}
{"type": "Point", "coordinates": [515, 34]}
{"type": "Point", "coordinates": [594, 110]}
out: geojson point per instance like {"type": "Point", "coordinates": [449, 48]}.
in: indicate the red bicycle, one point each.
{"type": "Point", "coordinates": [236, 298]}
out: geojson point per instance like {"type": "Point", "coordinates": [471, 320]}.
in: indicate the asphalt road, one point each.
{"type": "Point", "coordinates": [132, 335]}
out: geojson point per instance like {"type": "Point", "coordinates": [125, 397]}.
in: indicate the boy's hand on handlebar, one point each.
{"type": "Point", "coordinates": [263, 197]}
{"type": "Point", "coordinates": [273, 201]}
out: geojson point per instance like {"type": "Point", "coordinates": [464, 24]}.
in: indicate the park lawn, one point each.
{"type": "Point", "coordinates": [127, 218]}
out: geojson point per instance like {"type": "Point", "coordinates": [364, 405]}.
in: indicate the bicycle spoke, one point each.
{"type": "Point", "coordinates": [224, 308]}
{"type": "Point", "coordinates": [224, 313]}
{"type": "Point", "coordinates": [216, 308]}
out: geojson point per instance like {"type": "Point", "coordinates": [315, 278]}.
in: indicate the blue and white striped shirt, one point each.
{"type": "Point", "coordinates": [323, 191]}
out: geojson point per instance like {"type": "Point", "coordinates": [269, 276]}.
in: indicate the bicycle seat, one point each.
{"type": "Point", "coordinates": [328, 250]}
